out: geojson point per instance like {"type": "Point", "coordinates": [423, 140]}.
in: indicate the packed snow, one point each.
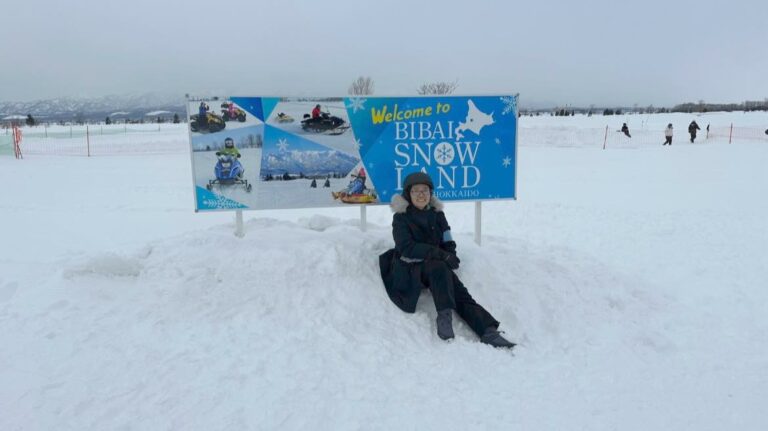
{"type": "Point", "coordinates": [634, 281]}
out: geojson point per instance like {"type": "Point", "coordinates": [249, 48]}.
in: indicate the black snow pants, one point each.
{"type": "Point", "coordinates": [668, 141]}
{"type": "Point", "coordinates": [449, 292]}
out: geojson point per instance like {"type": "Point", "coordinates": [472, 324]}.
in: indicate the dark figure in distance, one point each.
{"type": "Point", "coordinates": [692, 128]}
{"type": "Point", "coordinates": [625, 130]}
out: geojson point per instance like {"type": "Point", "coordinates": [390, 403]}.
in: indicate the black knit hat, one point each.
{"type": "Point", "coordinates": [413, 179]}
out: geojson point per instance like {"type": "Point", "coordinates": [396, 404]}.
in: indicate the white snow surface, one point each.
{"type": "Point", "coordinates": [634, 282]}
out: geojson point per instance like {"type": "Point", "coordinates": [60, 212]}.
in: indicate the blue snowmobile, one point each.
{"type": "Point", "coordinates": [229, 170]}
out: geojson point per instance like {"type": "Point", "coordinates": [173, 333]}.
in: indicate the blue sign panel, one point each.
{"type": "Point", "coordinates": [277, 153]}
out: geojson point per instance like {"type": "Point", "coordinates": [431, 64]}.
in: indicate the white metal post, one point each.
{"type": "Point", "coordinates": [239, 231]}
{"type": "Point", "coordinates": [478, 221]}
{"type": "Point", "coordinates": [363, 219]}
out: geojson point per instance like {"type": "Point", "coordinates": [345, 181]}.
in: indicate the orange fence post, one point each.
{"type": "Point", "coordinates": [17, 142]}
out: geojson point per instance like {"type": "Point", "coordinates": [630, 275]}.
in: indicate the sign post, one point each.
{"type": "Point", "coordinates": [239, 231]}
{"type": "Point", "coordinates": [363, 219]}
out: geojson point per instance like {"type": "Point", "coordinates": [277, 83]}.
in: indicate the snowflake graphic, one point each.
{"type": "Point", "coordinates": [356, 104]}
{"type": "Point", "coordinates": [282, 145]}
{"type": "Point", "coordinates": [497, 140]}
{"type": "Point", "coordinates": [510, 104]}
{"type": "Point", "coordinates": [506, 162]}
{"type": "Point", "coordinates": [219, 201]}
{"type": "Point", "coordinates": [444, 153]}
{"type": "Point", "coordinates": [358, 145]}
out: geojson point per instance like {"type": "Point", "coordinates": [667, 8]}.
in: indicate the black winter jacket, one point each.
{"type": "Point", "coordinates": [419, 235]}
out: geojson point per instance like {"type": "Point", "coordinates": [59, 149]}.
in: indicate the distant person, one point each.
{"type": "Point", "coordinates": [668, 135]}
{"type": "Point", "coordinates": [231, 111]}
{"type": "Point", "coordinates": [625, 130]}
{"type": "Point", "coordinates": [327, 183]}
{"type": "Point", "coordinates": [313, 184]}
{"type": "Point", "coordinates": [692, 128]}
{"type": "Point", "coordinates": [316, 111]}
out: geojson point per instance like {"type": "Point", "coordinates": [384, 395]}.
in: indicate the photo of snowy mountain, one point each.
{"type": "Point", "coordinates": [307, 163]}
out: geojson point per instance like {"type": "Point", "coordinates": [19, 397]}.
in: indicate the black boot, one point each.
{"type": "Point", "coordinates": [445, 324]}
{"type": "Point", "coordinates": [493, 337]}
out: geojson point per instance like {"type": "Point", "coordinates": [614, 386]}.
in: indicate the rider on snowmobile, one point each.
{"type": "Point", "coordinates": [229, 149]}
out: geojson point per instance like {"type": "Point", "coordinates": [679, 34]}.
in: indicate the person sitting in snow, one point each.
{"type": "Point", "coordinates": [625, 130]}
{"type": "Point", "coordinates": [229, 149]}
{"type": "Point", "coordinates": [425, 257]}
{"type": "Point", "coordinates": [357, 185]}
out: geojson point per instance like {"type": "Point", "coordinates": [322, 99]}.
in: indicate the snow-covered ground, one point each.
{"type": "Point", "coordinates": [634, 281]}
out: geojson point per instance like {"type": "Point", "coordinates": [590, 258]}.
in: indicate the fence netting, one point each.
{"type": "Point", "coordinates": [99, 140]}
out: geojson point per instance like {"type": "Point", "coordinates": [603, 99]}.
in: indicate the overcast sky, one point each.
{"type": "Point", "coordinates": [560, 52]}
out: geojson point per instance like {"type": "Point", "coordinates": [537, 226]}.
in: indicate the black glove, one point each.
{"type": "Point", "coordinates": [452, 261]}
{"type": "Point", "coordinates": [238, 156]}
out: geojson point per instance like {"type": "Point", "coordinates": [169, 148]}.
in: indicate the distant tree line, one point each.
{"type": "Point", "coordinates": [700, 106]}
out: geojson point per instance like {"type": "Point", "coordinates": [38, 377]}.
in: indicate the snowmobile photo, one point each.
{"type": "Point", "coordinates": [228, 172]}
{"type": "Point", "coordinates": [213, 124]}
{"type": "Point", "coordinates": [238, 113]}
{"type": "Point", "coordinates": [283, 118]}
{"type": "Point", "coordinates": [325, 123]}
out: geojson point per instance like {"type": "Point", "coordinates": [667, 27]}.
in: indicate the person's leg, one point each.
{"type": "Point", "coordinates": [439, 279]}
{"type": "Point", "coordinates": [477, 317]}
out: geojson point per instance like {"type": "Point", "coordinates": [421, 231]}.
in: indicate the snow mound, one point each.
{"type": "Point", "coordinates": [295, 313]}
{"type": "Point", "coordinates": [105, 265]}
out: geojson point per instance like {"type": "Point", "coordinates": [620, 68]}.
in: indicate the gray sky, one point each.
{"type": "Point", "coordinates": [560, 52]}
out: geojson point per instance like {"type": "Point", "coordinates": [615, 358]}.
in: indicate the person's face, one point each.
{"type": "Point", "coordinates": [420, 196]}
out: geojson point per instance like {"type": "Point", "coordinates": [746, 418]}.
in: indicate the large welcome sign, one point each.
{"type": "Point", "coordinates": [271, 153]}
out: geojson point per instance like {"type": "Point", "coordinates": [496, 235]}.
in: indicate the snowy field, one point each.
{"type": "Point", "coordinates": [634, 281]}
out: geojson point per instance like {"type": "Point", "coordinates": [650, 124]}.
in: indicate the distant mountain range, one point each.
{"type": "Point", "coordinates": [307, 162]}
{"type": "Point", "coordinates": [133, 106]}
